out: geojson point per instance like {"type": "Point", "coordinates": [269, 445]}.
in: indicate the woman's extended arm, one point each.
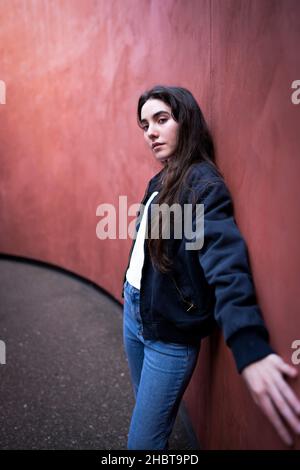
{"type": "Point", "coordinates": [224, 259]}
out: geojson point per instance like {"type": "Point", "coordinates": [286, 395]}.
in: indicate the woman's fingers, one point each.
{"type": "Point", "coordinates": [268, 408]}
{"type": "Point", "coordinates": [287, 392]}
{"type": "Point", "coordinates": [284, 407]}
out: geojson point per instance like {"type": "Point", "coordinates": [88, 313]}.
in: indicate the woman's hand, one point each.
{"type": "Point", "coordinates": [270, 391]}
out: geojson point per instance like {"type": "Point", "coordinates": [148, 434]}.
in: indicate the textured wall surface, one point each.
{"type": "Point", "coordinates": [73, 71]}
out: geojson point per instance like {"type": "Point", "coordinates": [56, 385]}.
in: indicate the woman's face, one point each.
{"type": "Point", "coordinates": [159, 127]}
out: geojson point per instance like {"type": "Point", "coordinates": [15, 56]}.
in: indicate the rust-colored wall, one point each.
{"type": "Point", "coordinates": [256, 127]}
{"type": "Point", "coordinates": [73, 71]}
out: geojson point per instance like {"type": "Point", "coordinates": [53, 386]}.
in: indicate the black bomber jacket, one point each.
{"type": "Point", "coordinates": [206, 287]}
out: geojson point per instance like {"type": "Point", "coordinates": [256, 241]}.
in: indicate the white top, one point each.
{"type": "Point", "coordinates": [134, 271]}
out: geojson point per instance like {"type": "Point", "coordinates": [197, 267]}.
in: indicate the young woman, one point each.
{"type": "Point", "coordinates": [174, 296]}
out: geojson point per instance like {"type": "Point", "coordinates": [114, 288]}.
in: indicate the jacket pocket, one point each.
{"type": "Point", "coordinates": [188, 303]}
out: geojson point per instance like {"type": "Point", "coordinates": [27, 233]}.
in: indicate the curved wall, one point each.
{"type": "Point", "coordinates": [73, 71]}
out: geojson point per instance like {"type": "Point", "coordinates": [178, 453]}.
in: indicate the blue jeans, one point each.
{"type": "Point", "coordinates": [160, 373]}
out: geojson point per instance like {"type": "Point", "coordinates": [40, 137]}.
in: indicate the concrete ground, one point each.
{"type": "Point", "coordinates": [65, 384]}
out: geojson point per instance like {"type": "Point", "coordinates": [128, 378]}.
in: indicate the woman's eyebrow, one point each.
{"type": "Point", "coordinates": [155, 115]}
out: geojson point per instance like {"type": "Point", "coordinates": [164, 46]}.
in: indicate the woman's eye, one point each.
{"type": "Point", "coordinates": [160, 121]}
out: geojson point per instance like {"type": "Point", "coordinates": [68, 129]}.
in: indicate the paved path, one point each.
{"type": "Point", "coordinates": [65, 384]}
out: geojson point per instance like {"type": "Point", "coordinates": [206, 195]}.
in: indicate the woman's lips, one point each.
{"type": "Point", "coordinates": [158, 147]}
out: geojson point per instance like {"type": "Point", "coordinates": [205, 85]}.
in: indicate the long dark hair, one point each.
{"type": "Point", "coordinates": [194, 145]}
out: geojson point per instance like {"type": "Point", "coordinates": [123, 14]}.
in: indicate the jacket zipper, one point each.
{"type": "Point", "coordinates": [191, 305]}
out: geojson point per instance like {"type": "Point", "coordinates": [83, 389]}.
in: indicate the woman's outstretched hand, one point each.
{"type": "Point", "coordinates": [270, 391]}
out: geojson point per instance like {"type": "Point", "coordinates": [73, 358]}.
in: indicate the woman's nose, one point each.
{"type": "Point", "coordinates": [152, 132]}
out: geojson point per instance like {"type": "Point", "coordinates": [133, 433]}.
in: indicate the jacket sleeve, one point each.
{"type": "Point", "coordinates": [224, 260]}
